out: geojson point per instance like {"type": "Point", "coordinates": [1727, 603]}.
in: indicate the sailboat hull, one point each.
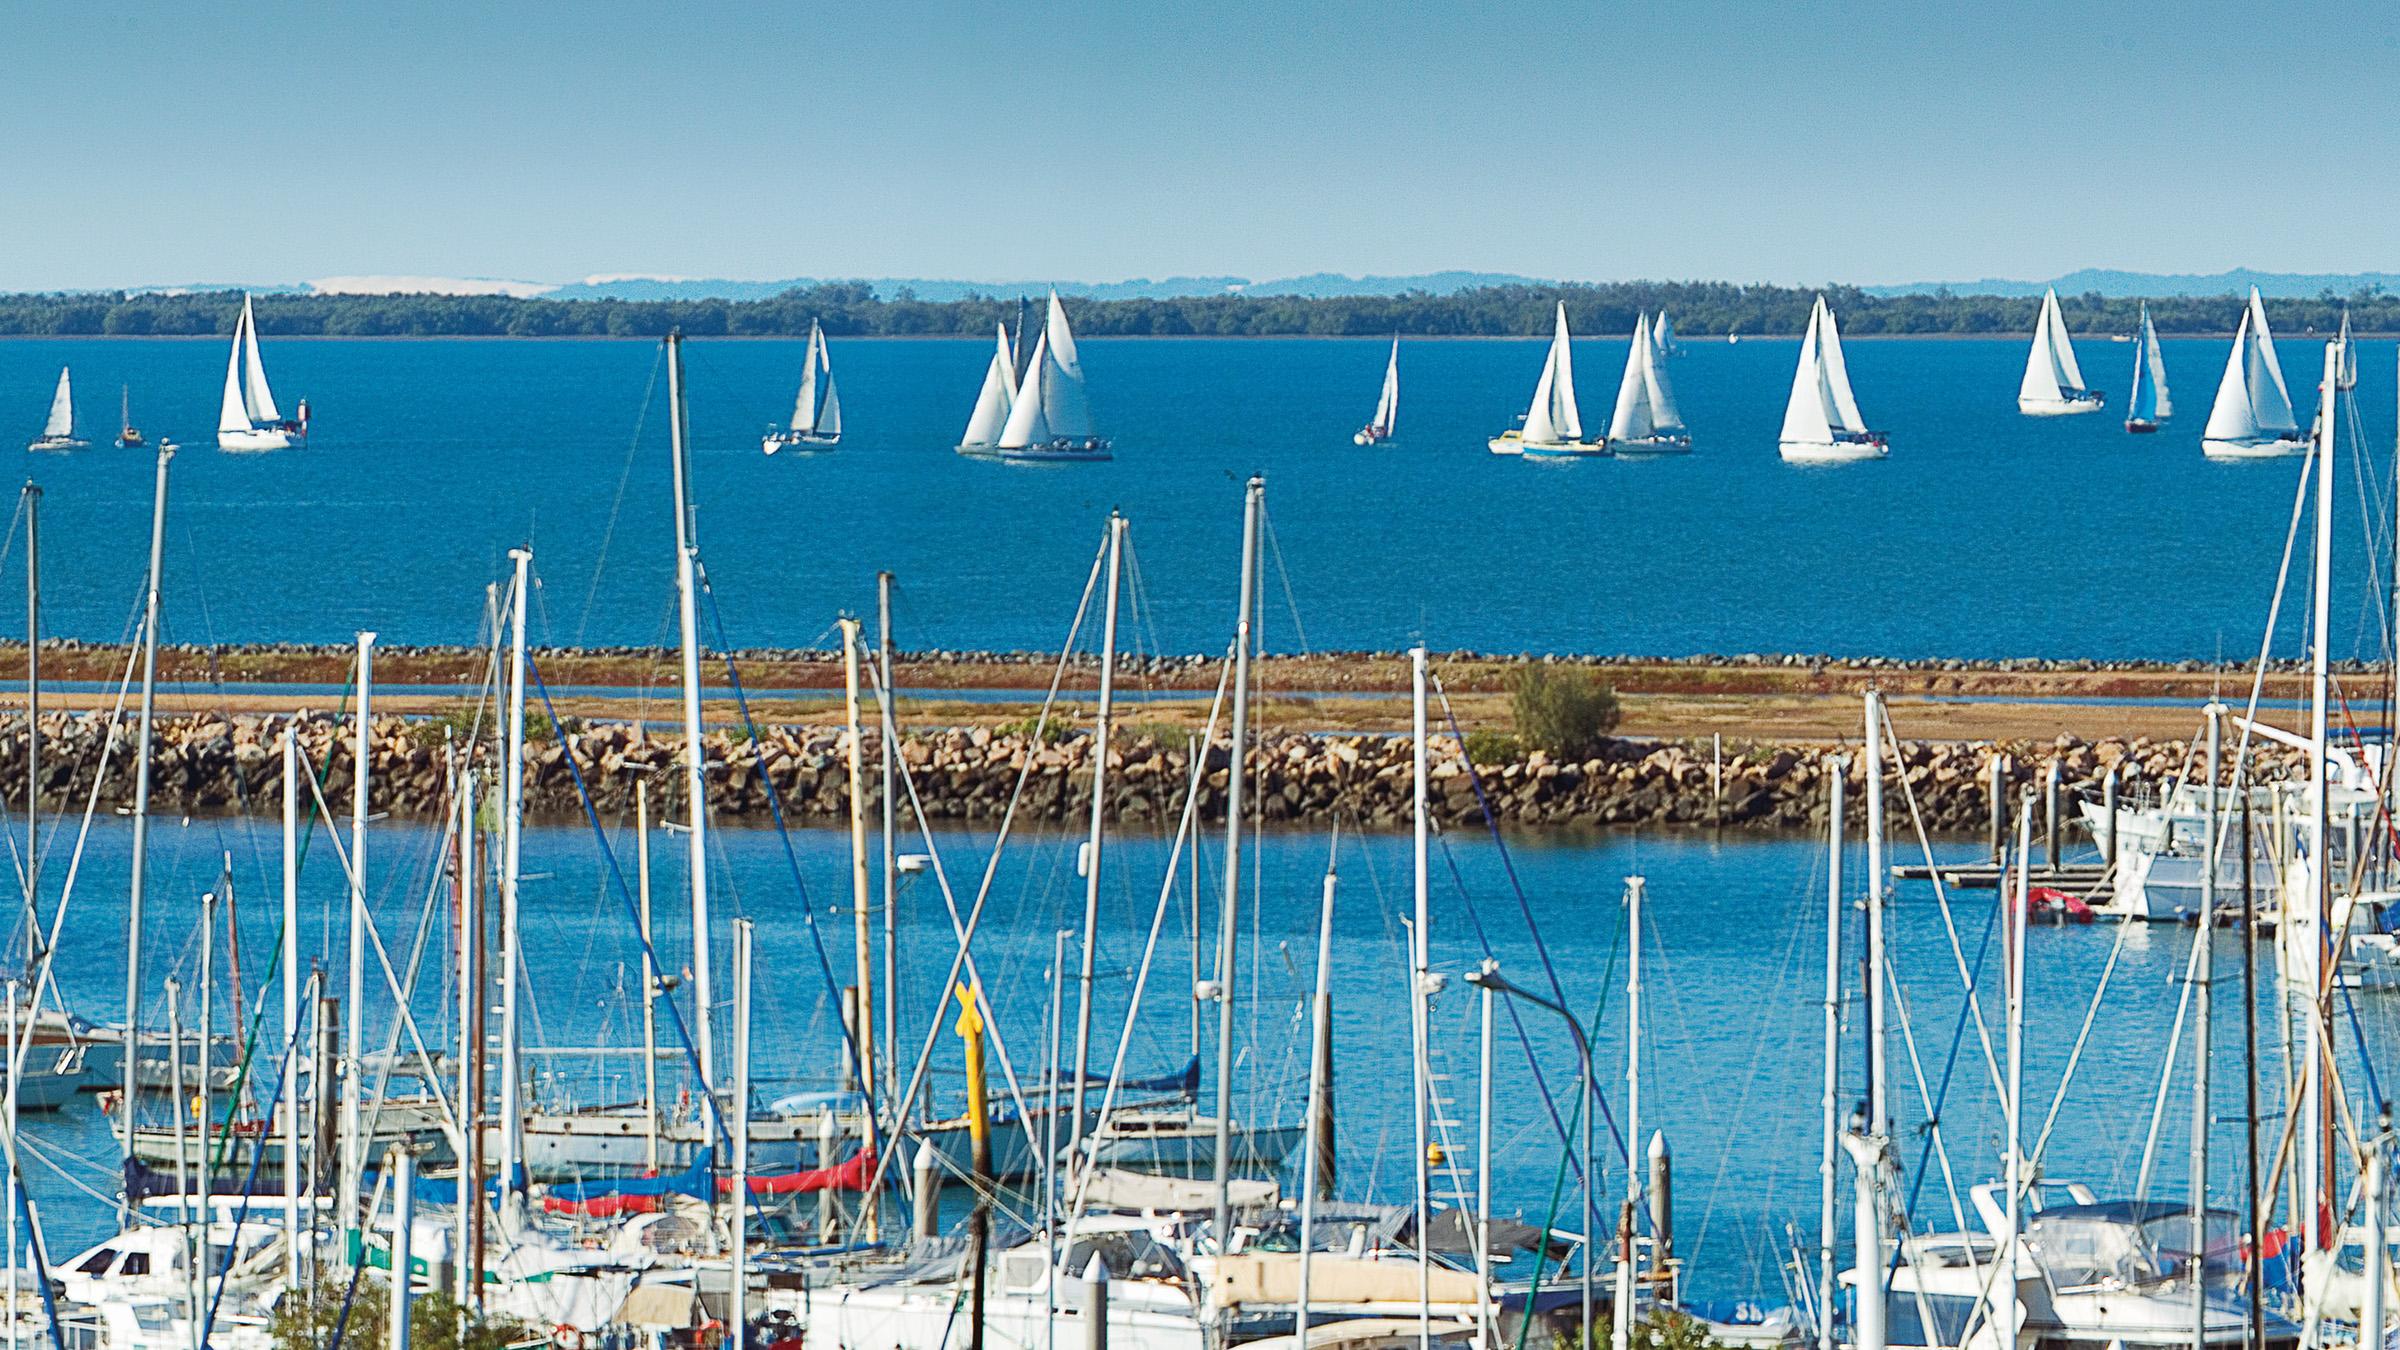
{"type": "Point", "coordinates": [1370, 436]}
{"type": "Point", "coordinates": [1060, 452]}
{"type": "Point", "coordinates": [2277, 447]}
{"type": "Point", "coordinates": [2060, 407]}
{"type": "Point", "coordinates": [56, 443]}
{"type": "Point", "coordinates": [2141, 428]}
{"type": "Point", "coordinates": [1557, 449]}
{"type": "Point", "coordinates": [800, 441]}
{"type": "Point", "coordinates": [258, 438]}
{"type": "Point", "coordinates": [1833, 452]}
{"type": "Point", "coordinates": [1647, 446]}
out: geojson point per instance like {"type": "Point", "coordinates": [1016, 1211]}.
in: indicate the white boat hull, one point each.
{"type": "Point", "coordinates": [803, 442]}
{"type": "Point", "coordinates": [2060, 407]}
{"type": "Point", "coordinates": [56, 443]}
{"type": "Point", "coordinates": [1832, 452]}
{"type": "Point", "coordinates": [2278, 447]}
{"type": "Point", "coordinates": [256, 439]}
{"type": "Point", "coordinates": [1508, 444]}
{"type": "Point", "coordinates": [1060, 452]}
{"type": "Point", "coordinates": [1369, 438]}
{"type": "Point", "coordinates": [1651, 445]}
{"type": "Point", "coordinates": [927, 1317]}
{"type": "Point", "coordinates": [1564, 449]}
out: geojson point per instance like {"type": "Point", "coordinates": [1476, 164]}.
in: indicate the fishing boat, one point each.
{"type": "Point", "coordinates": [1552, 427]}
{"type": "Point", "coordinates": [994, 400]}
{"type": "Point", "coordinates": [816, 425]}
{"type": "Point", "coordinates": [1821, 422]}
{"type": "Point", "coordinates": [1645, 421]}
{"type": "Point", "coordinates": [248, 418]}
{"type": "Point", "coordinates": [1050, 420]}
{"type": "Point", "coordinates": [58, 433]}
{"type": "Point", "coordinates": [1386, 422]}
{"type": "Point", "coordinates": [2053, 383]}
{"type": "Point", "coordinates": [2252, 418]}
{"type": "Point", "coordinates": [129, 436]}
{"type": "Point", "coordinates": [2147, 407]}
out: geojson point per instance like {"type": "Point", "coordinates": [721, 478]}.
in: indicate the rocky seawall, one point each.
{"type": "Point", "coordinates": [213, 764]}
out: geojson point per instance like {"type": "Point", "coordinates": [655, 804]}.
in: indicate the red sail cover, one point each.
{"type": "Point", "coordinates": [850, 1176]}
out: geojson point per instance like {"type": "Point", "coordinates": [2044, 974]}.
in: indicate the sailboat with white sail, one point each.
{"type": "Point", "coordinates": [1051, 419]}
{"type": "Point", "coordinates": [1662, 334]}
{"type": "Point", "coordinates": [2053, 384]}
{"type": "Point", "coordinates": [2252, 418]}
{"type": "Point", "coordinates": [1385, 424]}
{"type": "Point", "coordinates": [1646, 421]}
{"type": "Point", "coordinates": [2147, 408]}
{"type": "Point", "coordinates": [129, 436]}
{"type": "Point", "coordinates": [1552, 426]}
{"type": "Point", "coordinates": [58, 432]}
{"type": "Point", "coordinates": [248, 418]}
{"type": "Point", "coordinates": [2349, 372]}
{"type": "Point", "coordinates": [1821, 422]}
{"type": "Point", "coordinates": [816, 424]}
{"type": "Point", "coordinates": [995, 400]}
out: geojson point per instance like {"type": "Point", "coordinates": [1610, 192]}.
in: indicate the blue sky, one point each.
{"type": "Point", "coordinates": [158, 142]}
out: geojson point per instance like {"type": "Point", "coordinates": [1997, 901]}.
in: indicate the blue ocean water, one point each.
{"type": "Point", "coordinates": [1732, 970]}
{"type": "Point", "coordinates": [1985, 533]}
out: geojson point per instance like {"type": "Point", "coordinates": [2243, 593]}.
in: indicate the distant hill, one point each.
{"type": "Point", "coordinates": [2128, 285]}
{"type": "Point", "coordinates": [1318, 285]}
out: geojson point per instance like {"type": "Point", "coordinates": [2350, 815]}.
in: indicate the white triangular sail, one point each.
{"type": "Point", "coordinates": [1387, 405]}
{"type": "Point", "coordinates": [1027, 426]}
{"type": "Point", "coordinates": [1632, 419]}
{"type": "Point", "coordinates": [62, 408]}
{"type": "Point", "coordinates": [804, 405]}
{"type": "Point", "coordinates": [1839, 398]}
{"type": "Point", "coordinates": [1553, 417]}
{"type": "Point", "coordinates": [1808, 413]}
{"type": "Point", "coordinates": [2270, 398]}
{"type": "Point", "coordinates": [1665, 418]}
{"type": "Point", "coordinates": [2062, 347]}
{"type": "Point", "coordinates": [233, 415]}
{"type": "Point", "coordinates": [2231, 417]}
{"type": "Point", "coordinates": [257, 399]}
{"type": "Point", "coordinates": [1065, 406]}
{"type": "Point", "coordinates": [2149, 401]}
{"type": "Point", "coordinates": [829, 421]}
{"type": "Point", "coordinates": [1662, 335]}
{"type": "Point", "coordinates": [992, 402]}
{"type": "Point", "coordinates": [2348, 378]}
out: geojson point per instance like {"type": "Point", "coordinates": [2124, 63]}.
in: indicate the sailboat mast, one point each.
{"type": "Point", "coordinates": [1629, 1259]}
{"type": "Point", "coordinates": [1254, 500]}
{"type": "Point", "coordinates": [888, 720]}
{"type": "Point", "coordinates": [641, 872]}
{"type": "Point", "coordinates": [2312, 1088]}
{"type": "Point", "coordinates": [33, 728]}
{"type": "Point", "coordinates": [512, 837]}
{"type": "Point", "coordinates": [1320, 1070]}
{"type": "Point", "coordinates": [2201, 998]}
{"type": "Point", "coordinates": [141, 801]}
{"type": "Point", "coordinates": [1418, 962]}
{"type": "Point", "coordinates": [289, 958]}
{"type": "Point", "coordinates": [695, 753]}
{"type": "Point", "coordinates": [1837, 784]}
{"type": "Point", "coordinates": [861, 909]}
{"type": "Point", "coordinates": [1092, 845]}
{"type": "Point", "coordinates": [354, 1025]}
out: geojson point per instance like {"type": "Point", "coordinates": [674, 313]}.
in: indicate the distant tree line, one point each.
{"type": "Point", "coordinates": [1700, 309]}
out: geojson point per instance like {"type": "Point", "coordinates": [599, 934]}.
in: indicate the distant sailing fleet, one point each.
{"type": "Point", "coordinates": [1033, 405]}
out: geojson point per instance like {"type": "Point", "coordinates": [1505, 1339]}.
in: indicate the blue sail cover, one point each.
{"type": "Point", "coordinates": [695, 1182]}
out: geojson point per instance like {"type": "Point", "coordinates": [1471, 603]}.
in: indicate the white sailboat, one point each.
{"type": "Point", "coordinates": [248, 418]}
{"type": "Point", "coordinates": [1552, 426]}
{"type": "Point", "coordinates": [2147, 407]}
{"type": "Point", "coordinates": [994, 401]}
{"type": "Point", "coordinates": [1821, 422]}
{"type": "Point", "coordinates": [2053, 383]}
{"type": "Point", "coordinates": [1662, 335]}
{"type": "Point", "coordinates": [58, 433]}
{"type": "Point", "coordinates": [1051, 419]}
{"type": "Point", "coordinates": [129, 436]}
{"type": "Point", "coordinates": [1646, 421]}
{"type": "Point", "coordinates": [1386, 422]}
{"type": "Point", "coordinates": [2252, 418]}
{"type": "Point", "coordinates": [815, 425]}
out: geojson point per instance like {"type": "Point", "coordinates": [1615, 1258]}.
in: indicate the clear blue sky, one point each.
{"type": "Point", "coordinates": [162, 142]}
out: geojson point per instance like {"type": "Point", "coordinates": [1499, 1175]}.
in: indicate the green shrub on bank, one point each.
{"type": "Point", "coordinates": [1563, 711]}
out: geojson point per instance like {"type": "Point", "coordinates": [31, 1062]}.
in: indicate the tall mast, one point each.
{"type": "Point", "coordinates": [641, 871]}
{"type": "Point", "coordinates": [738, 1318]}
{"type": "Point", "coordinates": [354, 1025]}
{"type": "Point", "coordinates": [1629, 1260]}
{"type": "Point", "coordinates": [512, 837]}
{"type": "Point", "coordinates": [887, 721]}
{"type": "Point", "coordinates": [1418, 966]}
{"type": "Point", "coordinates": [1320, 1069]}
{"type": "Point", "coordinates": [289, 958]}
{"type": "Point", "coordinates": [1254, 500]}
{"type": "Point", "coordinates": [2311, 928]}
{"type": "Point", "coordinates": [1837, 783]}
{"type": "Point", "coordinates": [2015, 899]}
{"type": "Point", "coordinates": [1880, 1105]}
{"type": "Point", "coordinates": [33, 726]}
{"type": "Point", "coordinates": [1092, 845]}
{"type": "Point", "coordinates": [861, 906]}
{"type": "Point", "coordinates": [2201, 1017]}
{"type": "Point", "coordinates": [141, 798]}
{"type": "Point", "coordinates": [470, 1031]}
{"type": "Point", "coordinates": [695, 753]}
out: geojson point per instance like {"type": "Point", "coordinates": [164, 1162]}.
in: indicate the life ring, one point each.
{"type": "Point", "coordinates": [566, 1337]}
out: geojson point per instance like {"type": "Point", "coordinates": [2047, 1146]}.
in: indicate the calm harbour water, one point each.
{"type": "Point", "coordinates": [1733, 961]}
{"type": "Point", "coordinates": [1985, 533]}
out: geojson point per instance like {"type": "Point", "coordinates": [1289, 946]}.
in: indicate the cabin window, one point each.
{"type": "Point", "coordinates": [136, 1263]}
{"type": "Point", "coordinates": [97, 1262]}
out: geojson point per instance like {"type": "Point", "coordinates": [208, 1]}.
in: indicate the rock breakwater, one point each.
{"type": "Point", "coordinates": [204, 764]}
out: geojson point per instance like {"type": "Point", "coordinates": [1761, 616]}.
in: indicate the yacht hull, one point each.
{"type": "Point", "coordinates": [1565, 449]}
{"type": "Point", "coordinates": [2060, 407]}
{"type": "Point", "coordinates": [56, 443]}
{"type": "Point", "coordinates": [2138, 427]}
{"type": "Point", "coordinates": [259, 439]}
{"type": "Point", "coordinates": [803, 443]}
{"type": "Point", "coordinates": [1832, 452]}
{"type": "Point", "coordinates": [2278, 447]}
{"type": "Point", "coordinates": [1075, 452]}
{"type": "Point", "coordinates": [1649, 446]}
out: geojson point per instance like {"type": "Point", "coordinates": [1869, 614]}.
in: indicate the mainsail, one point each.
{"type": "Point", "coordinates": [1065, 406]}
{"type": "Point", "coordinates": [257, 399]}
{"type": "Point", "coordinates": [2252, 400]}
{"type": "Point", "coordinates": [1387, 405]}
{"type": "Point", "coordinates": [1662, 335]}
{"type": "Point", "coordinates": [233, 415]}
{"type": "Point", "coordinates": [1808, 414]}
{"type": "Point", "coordinates": [993, 401]}
{"type": "Point", "coordinates": [804, 406]}
{"type": "Point", "coordinates": [1836, 370]}
{"type": "Point", "coordinates": [1632, 419]}
{"type": "Point", "coordinates": [2051, 373]}
{"type": "Point", "coordinates": [2149, 401]}
{"type": "Point", "coordinates": [62, 409]}
{"type": "Point", "coordinates": [1027, 426]}
{"type": "Point", "coordinates": [1553, 417]}
{"type": "Point", "coordinates": [829, 421]}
